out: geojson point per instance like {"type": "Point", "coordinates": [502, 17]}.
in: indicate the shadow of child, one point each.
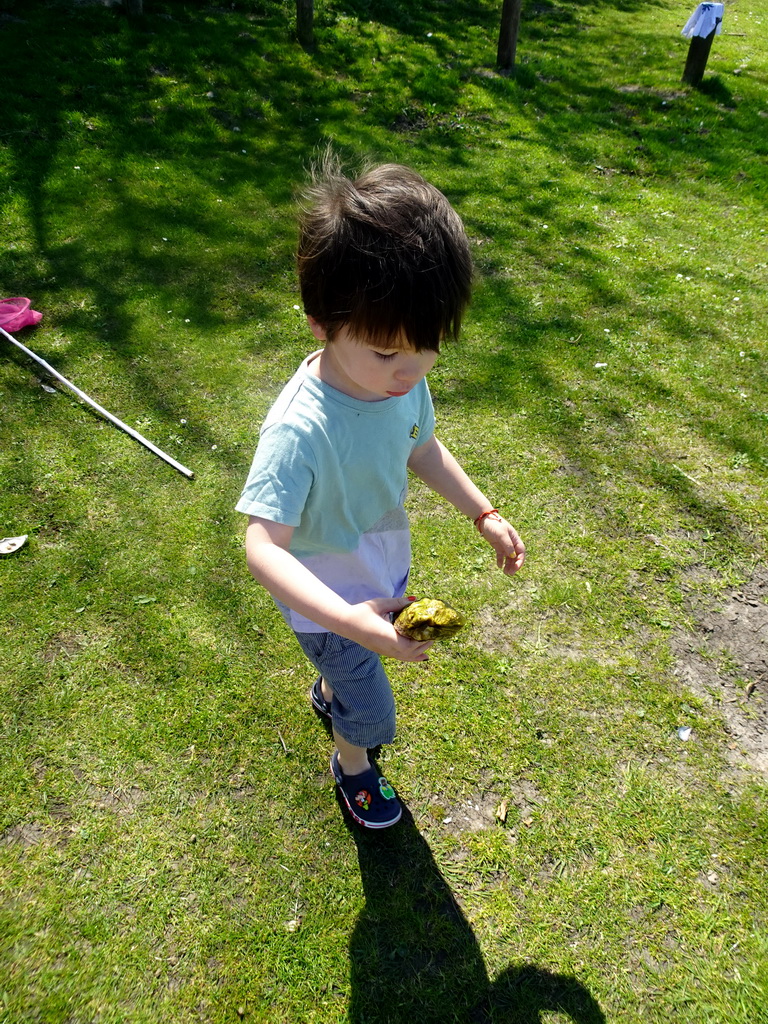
{"type": "Point", "coordinates": [415, 959]}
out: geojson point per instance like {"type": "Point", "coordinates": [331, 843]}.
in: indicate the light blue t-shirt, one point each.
{"type": "Point", "coordinates": [335, 468]}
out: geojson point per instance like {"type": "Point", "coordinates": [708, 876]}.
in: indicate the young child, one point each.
{"type": "Point", "coordinates": [385, 274]}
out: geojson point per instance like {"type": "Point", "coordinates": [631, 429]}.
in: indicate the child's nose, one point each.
{"type": "Point", "coordinates": [409, 371]}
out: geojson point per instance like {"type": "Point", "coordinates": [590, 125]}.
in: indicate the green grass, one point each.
{"type": "Point", "coordinates": [170, 847]}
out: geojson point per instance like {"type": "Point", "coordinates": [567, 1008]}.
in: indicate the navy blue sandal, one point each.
{"type": "Point", "coordinates": [319, 703]}
{"type": "Point", "coordinates": [369, 797]}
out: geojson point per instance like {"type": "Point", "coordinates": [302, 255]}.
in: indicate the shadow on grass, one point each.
{"type": "Point", "coordinates": [437, 16]}
{"type": "Point", "coordinates": [414, 956]}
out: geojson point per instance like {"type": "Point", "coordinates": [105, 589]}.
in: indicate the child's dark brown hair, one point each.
{"type": "Point", "coordinates": [385, 255]}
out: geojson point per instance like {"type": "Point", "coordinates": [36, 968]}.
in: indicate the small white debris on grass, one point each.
{"type": "Point", "coordinates": [10, 544]}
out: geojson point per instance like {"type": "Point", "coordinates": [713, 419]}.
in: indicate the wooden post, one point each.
{"type": "Point", "coordinates": [305, 17]}
{"type": "Point", "coordinates": [510, 25]}
{"type": "Point", "coordinates": [698, 55]}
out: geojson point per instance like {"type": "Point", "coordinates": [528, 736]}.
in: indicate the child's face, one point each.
{"type": "Point", "coordinates": [371, 372]}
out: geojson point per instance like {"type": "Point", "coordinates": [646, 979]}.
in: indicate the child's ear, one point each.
{"type": "Point", "coordinates": [317, 329]}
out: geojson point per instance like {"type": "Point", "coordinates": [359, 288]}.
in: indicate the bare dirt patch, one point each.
{"type": "Point", "coordinates": [32, 833]}
{"type": "Point", "coordinates": [64, 645]}
{"type": "Point", "coordinates": [488, 807]}
{"type": "Point", "coordinates": [725, 663]}
{"type": "Point", "coordinates": [124, 801]}
{"type": "Point", "coordinates": [495, 628]}
{"type": "Point", "coordinates": [662, 94]}
{"type": "Point", "coordinates": [25, 835]}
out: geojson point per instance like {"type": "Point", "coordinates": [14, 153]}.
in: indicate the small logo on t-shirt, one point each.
{"type": "Point", "coordinates": [414, 431]}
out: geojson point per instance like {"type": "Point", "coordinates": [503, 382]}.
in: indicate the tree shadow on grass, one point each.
{"type": "Point", "coordinates": [414, 956]}
{"type": "Point", "coordinates": [437, 16]}
{"type": "Point", "coordinates": [93, 142]}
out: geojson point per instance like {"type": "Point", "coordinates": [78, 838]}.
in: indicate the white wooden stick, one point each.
{"type": "Point", "coordinates": [100, 409]}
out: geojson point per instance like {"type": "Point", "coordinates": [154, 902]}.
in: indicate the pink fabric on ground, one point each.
{"type": "Point", "coordinates": [15, 314]}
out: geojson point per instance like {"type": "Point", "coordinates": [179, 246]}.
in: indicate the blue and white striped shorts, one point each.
{"type": "Point", "coordinates": [363, 705]}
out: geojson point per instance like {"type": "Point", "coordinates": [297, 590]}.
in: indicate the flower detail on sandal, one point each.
{"type": "Point", "coordinates": [363, 799]}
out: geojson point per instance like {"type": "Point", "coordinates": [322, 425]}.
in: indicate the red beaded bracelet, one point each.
{"type": "Point", "coordinates": [484, 515]}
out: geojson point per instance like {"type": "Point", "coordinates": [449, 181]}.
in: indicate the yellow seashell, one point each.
{"type": "Point", "coordinates": [428, 619]}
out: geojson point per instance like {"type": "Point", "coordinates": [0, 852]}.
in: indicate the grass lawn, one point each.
{"type": "Point", "coordinates": [171, 849]}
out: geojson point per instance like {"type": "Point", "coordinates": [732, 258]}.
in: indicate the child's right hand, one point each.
{"type": "Point", "coordinates": [373, 629]}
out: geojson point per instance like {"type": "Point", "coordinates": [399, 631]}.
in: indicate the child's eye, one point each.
{"type": "Point", "coordinates": [385, 356]}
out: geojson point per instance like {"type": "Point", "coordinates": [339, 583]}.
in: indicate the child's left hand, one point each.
{"type": "Point", "coordinates": [505, 541]}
